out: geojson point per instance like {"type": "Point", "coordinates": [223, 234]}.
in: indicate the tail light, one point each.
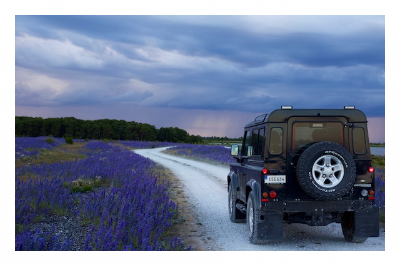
{"type": "Point", "coordinates": [272, 194]}
{"type": "Point", "coordinates": [371, 195]}
{"type": "Point", "coordinates": [371, 169]}
{"type": "Point", "coordinates": [265, 197]}
{"type": "Point", "coordinates": [264, 171]}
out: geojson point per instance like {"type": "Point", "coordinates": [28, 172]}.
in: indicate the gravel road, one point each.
{"type": "Point", "coordinates": [206, 188]}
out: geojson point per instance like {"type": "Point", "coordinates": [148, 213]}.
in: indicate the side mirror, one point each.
{"type": "Point", "coordinates": [235, 150]}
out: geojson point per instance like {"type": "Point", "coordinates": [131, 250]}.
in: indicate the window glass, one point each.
{"type": "Point", "coordinates": [257, 141]}
{"type": "Point", "coordinates": [359, 140]}
{"type": "Point", "coordinates": [246, 143]}
{"type": "Point", "coordinates": [261, 141]}
{"type": "Point", "coordinates": [305, 133]}
{"type": "Point", "coordinates": [276, 141]}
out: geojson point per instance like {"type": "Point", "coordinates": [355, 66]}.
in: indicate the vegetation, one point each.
{"type": "Point", "coordinates": [221, 140]}
{"type": "Point", "coordinates": [209, 153]}
{"type": "Point", "coordinates": [102, 185]}
{"type": "Point", "coordinates": [69, 140]}
{"type": "Point", "coordinates": [377, 144]}
{"type": "Point", "coordinates": [112, 129]}
{"type": "Point", "coordinates": [378, 161]}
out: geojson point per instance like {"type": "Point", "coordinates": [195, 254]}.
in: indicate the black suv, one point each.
{"type": "Point", "coordinates": [310, 166]}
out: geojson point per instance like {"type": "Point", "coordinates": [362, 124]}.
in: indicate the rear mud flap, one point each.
{"type": "Point", "coordinates": [366, 222]}
{"type": "Point", "coordinates": [270, 226]}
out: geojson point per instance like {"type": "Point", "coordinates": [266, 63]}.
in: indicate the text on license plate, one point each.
{"type": "Point", "coordinates": [274, 179]}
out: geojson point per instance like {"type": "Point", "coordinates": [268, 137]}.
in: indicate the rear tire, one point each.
{"type": "Point", "coordinates": [235, 215]}
{"type": "Point", "coordinates": [253, 218]}
{"type": "Point", "coordinates": [349, 230]}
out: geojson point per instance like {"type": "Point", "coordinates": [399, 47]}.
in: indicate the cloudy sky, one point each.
{"type": "Point", "coordinates": [209, 75]}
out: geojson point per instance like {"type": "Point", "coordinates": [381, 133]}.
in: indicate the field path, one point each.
{"type": "Point", "coordinates": [206, 188]}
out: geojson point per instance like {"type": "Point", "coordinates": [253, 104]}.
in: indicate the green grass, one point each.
{"type": "Point", "coordinates": [378, 161]}
{"type": "Point", "coordinates": [62, 153]}
{"type": "Point", "coordinates": [377, 145]}
{"type": "Point", "coordinates": [87, 184]}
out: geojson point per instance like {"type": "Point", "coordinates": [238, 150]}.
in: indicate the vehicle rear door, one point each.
{"type": "Point", "coordinates": [305, 131]}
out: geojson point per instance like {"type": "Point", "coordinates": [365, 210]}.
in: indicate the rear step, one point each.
{"type": "Point", "coordinates": [241, 207]}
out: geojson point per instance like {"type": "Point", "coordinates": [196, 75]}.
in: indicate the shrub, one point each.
{"type": "Point", "coordinates": [49, 140]}
{"type": "Point", "coordinates": [69, 140]}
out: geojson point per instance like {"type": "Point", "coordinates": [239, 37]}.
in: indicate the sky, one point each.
{"type": "Point", "coordinates": [209, 75]}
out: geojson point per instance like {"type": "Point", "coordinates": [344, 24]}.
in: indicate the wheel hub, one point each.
{"type": "Point", "coordinates": [328, 171]}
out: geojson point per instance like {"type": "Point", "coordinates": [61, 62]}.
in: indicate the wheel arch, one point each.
{"type": "Point", "coordinates": [234, 179]}
{"type": "Point", "coordinates": [255, 187]}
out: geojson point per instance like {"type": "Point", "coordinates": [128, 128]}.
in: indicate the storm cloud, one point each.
{"type": "Point", "coordinates": [248, 64]}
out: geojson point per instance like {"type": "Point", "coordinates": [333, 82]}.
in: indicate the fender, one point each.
{"type": "Point", "coordinates": [233, 179]}
{"type": "Point", "coordinates": [254, 186]}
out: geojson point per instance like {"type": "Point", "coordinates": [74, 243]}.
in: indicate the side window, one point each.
{"type": "Point", "coordinates": [261, 140]}
{"type": "Point", "coordinates": [276, 140]}
{"type": "Point", "coordinates": [246, 142]}
{"type": "Point", "coordinates": [359, 140]}
{"type": "Point", "coordinates": [257, 141]}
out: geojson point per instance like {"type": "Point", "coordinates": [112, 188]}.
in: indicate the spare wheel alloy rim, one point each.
{"type": "Point", "coordinates": [328, 171]}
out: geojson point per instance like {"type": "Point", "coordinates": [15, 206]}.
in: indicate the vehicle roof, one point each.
{"type": "Point", "coordinates": [283, 115]}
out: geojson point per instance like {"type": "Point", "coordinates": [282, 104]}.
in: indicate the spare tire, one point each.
{"type": "Point", "coordinates": [326, 171]}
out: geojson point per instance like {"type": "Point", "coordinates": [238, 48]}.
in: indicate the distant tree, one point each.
{"type": "Point", "coordinates": [131, 132]}
{"type": "Point", "coordinates": [146, 132]}
{"type": "Point", "coordinates": [55, 127]}
{"type": "Point", "coordinates": [99, 129]}
{"type": "Point", "coordinates": [194, 139]}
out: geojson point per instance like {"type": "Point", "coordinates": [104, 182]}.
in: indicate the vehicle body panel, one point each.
{"type": "Point", "coordinates": [275, 142]}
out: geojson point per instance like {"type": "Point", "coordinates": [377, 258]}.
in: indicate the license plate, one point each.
{"type": "Point", "coordinates": [274, 179]}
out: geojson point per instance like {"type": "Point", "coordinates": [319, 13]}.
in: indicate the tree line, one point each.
{"type": "Point", "coordinates": [99, 129]}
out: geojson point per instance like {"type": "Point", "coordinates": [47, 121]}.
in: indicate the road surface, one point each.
{"type": "Point", "coordinates": [205, 187]}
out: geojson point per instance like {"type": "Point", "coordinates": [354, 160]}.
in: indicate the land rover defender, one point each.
{"type": "Point", "coordinates": [309, 166]}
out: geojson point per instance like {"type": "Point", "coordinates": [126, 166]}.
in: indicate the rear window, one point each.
{"type": "Point", "coordinates": [305, 133]}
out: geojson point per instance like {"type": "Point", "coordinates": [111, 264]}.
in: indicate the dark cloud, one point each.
{"type": "Point", "coordinates": [216, 63]}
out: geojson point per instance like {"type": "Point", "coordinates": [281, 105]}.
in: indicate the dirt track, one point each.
{"type": "Point", "coordinates": [205, 188]}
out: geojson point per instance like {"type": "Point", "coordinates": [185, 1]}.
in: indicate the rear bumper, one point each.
{"type": "Point", "coordinates": [317, 206]}
{"type": "Point", "coordinates": [317, 213]}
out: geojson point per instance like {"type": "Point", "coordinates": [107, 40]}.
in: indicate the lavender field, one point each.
{"type": "Point", "coordinates": [94, 195]}
{"type": "Point", "coordinates": [111, 193]}
{"type": "Point", "coordinates": [208, 153]}
{"type": "Point", "coordinates": [28, 147]}
{"type": "Point", "coordinates": [135, 144]}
